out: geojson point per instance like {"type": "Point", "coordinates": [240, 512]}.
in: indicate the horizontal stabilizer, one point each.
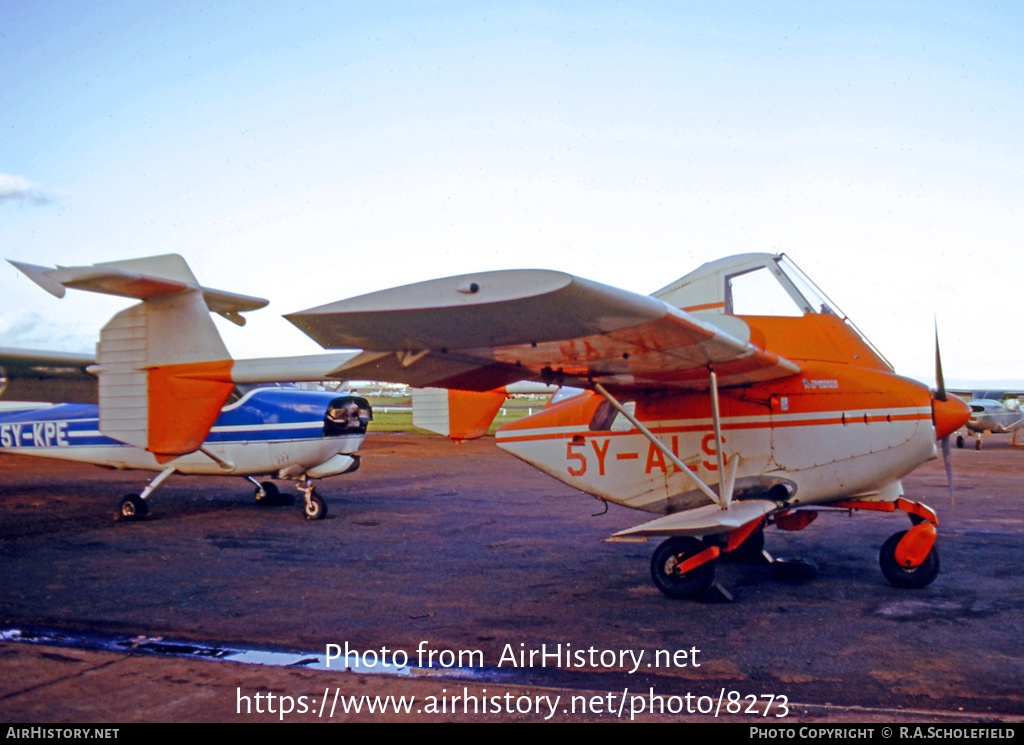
{"type": "Point", "coordinates": [707, 520]}
{"type": "Point", "coordinates": [143, 279]}
{"type": "Point", "coordinates": [164, 371]}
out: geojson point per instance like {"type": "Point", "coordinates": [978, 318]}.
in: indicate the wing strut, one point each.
{"type": "Point", "coordinates": [726, 480]}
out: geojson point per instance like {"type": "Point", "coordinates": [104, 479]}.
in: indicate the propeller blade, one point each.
{"type": "Point", "coordinates": [947, 459]}
{"type": "Point", "coordinates": [940, 383]}
{"type": "Point", "coordinates": [948, 408]}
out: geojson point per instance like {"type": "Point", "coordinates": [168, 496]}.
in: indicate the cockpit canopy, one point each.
{"type": "Point", "coordinates": [748, 285]}
{"type": "Point", "coordinates": [757, 284]}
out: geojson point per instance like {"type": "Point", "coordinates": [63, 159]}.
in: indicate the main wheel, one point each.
{"type": "Point", "coordinates": [748, 552]}
{"type": "Point", "coordinates": [913, 578]}
{"type": "Point", "coordinates": [668, 556]}
{"type": "Point", "coordinates": [132, 507]}
{"type": "Point", "coordinates": [315, 507]}
{"type": "Point", "coordinates": [271, 494]}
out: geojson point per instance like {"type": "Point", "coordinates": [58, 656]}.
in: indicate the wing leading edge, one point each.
{"type": "Point", "coordinates": [481, 331]}
{"type": "Point", "coordinates": [31, 375]}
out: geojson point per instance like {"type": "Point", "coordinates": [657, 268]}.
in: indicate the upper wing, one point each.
{"type": "Point", "coordinates": [54, 377]}
{"type": "Point", "coordinates": [481, 331]}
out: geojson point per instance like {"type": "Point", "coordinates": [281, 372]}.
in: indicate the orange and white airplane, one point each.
{"type": "Point", "coordinates": [699, 407]}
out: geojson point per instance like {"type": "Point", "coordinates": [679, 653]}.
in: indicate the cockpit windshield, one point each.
{"type": "Point", "coordinates": [775, 288]}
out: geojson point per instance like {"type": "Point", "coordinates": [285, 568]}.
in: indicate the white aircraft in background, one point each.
{"type": "Point", "coordinates": [165, 380]}
{"type": "Point", "coordinates": [993, 413]}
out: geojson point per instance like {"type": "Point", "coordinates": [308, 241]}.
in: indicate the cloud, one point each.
{"type": "Point", "coordinates": [19, 188]}
{"type": "Point", "coordinates": [31, 330]}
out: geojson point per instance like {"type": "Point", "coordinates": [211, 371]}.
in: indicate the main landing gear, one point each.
{"type": "Point", "coordinates": [136, 507]}
{"type": "Point", "coordinates": [671, 568]}
{"type": "Point", "coordinates": [268, 494]}
{"type": "Point", "coordinates": [684, 567]}
{"type": "Point", "coordinates": [313, 505]}
{"type": "Point", "coordinates": [961, 442]}
{"type": "Point", "coordinates": [132, 507]}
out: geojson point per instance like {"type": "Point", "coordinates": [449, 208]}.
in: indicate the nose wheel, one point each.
{"type": "Point", "coordinates": [898, 568]}
{"type": "Point", "coordinates": [314, 507]}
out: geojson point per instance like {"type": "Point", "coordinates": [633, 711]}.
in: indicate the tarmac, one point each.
{"type": "Point", "coordinates": [464, 557]}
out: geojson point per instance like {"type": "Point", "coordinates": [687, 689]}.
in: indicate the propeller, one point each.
{"type": "Point", "coordinates": [948, 414]}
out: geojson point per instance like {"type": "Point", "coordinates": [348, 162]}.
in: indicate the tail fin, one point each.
{"type": "Point", "coordinates": [460, 415]}
{"type": "Point", "coordinates": [466, 415]}
{"type": "Point", "coordinates": [163, 368]}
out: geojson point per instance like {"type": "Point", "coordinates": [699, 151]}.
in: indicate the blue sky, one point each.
{"type": "Point", "coordinates": [314, 153]}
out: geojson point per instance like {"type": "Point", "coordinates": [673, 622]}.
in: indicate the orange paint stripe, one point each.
{"type": "Point", "coordinates": [725, 427]}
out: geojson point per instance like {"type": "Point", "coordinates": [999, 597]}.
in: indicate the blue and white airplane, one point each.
{"type": "Point", "coordinates": [157, 396]}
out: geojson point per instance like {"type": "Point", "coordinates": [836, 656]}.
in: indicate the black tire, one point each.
{"type": "Point", "coordinates": [750, 551]}
{"type": "Point", "coordinates": [132, 507]}
{"type": "Point", "coordinates": [960, 441]}
{"type": "Point", "coordinates": [667, 556]}
{"type": "Point", "coordinates": [315, 508]}
{"type": "Point", "coordinates": [271, 494]}
{"type": "Point", "coordinates": [913, 578]}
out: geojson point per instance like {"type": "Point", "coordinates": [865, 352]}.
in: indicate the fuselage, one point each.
{"type": "Point", "coordinates": [988, 415]}
{"type": "Point", "coordinates": [844, 425]}
{"type": "Point", "coordinates": [267, 431]}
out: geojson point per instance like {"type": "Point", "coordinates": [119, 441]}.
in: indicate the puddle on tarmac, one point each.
{"type": "Point", "coordinates": [366, 662]}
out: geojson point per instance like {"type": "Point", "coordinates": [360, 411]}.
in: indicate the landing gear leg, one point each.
{"type": "Point", "coordinates": [897, 564]}
{"type": "Point", "coordinates": [909, 558]}
{"type": "Point", "coordinates": [134, 506]}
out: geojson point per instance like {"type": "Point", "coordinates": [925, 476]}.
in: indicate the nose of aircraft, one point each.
{"type": "Point", "coordinates": [949, 415]}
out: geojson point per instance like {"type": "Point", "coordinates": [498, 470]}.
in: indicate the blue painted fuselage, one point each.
{"type": "Point", "coordinates": [284, 431]}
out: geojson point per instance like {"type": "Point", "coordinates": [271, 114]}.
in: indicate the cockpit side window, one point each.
{"type": "Point", "coordinates": [777, 288]}
{"type": "Point", "coordinates": [607, 419]}
{"type": "Point", "coordinates": [757, 293]}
